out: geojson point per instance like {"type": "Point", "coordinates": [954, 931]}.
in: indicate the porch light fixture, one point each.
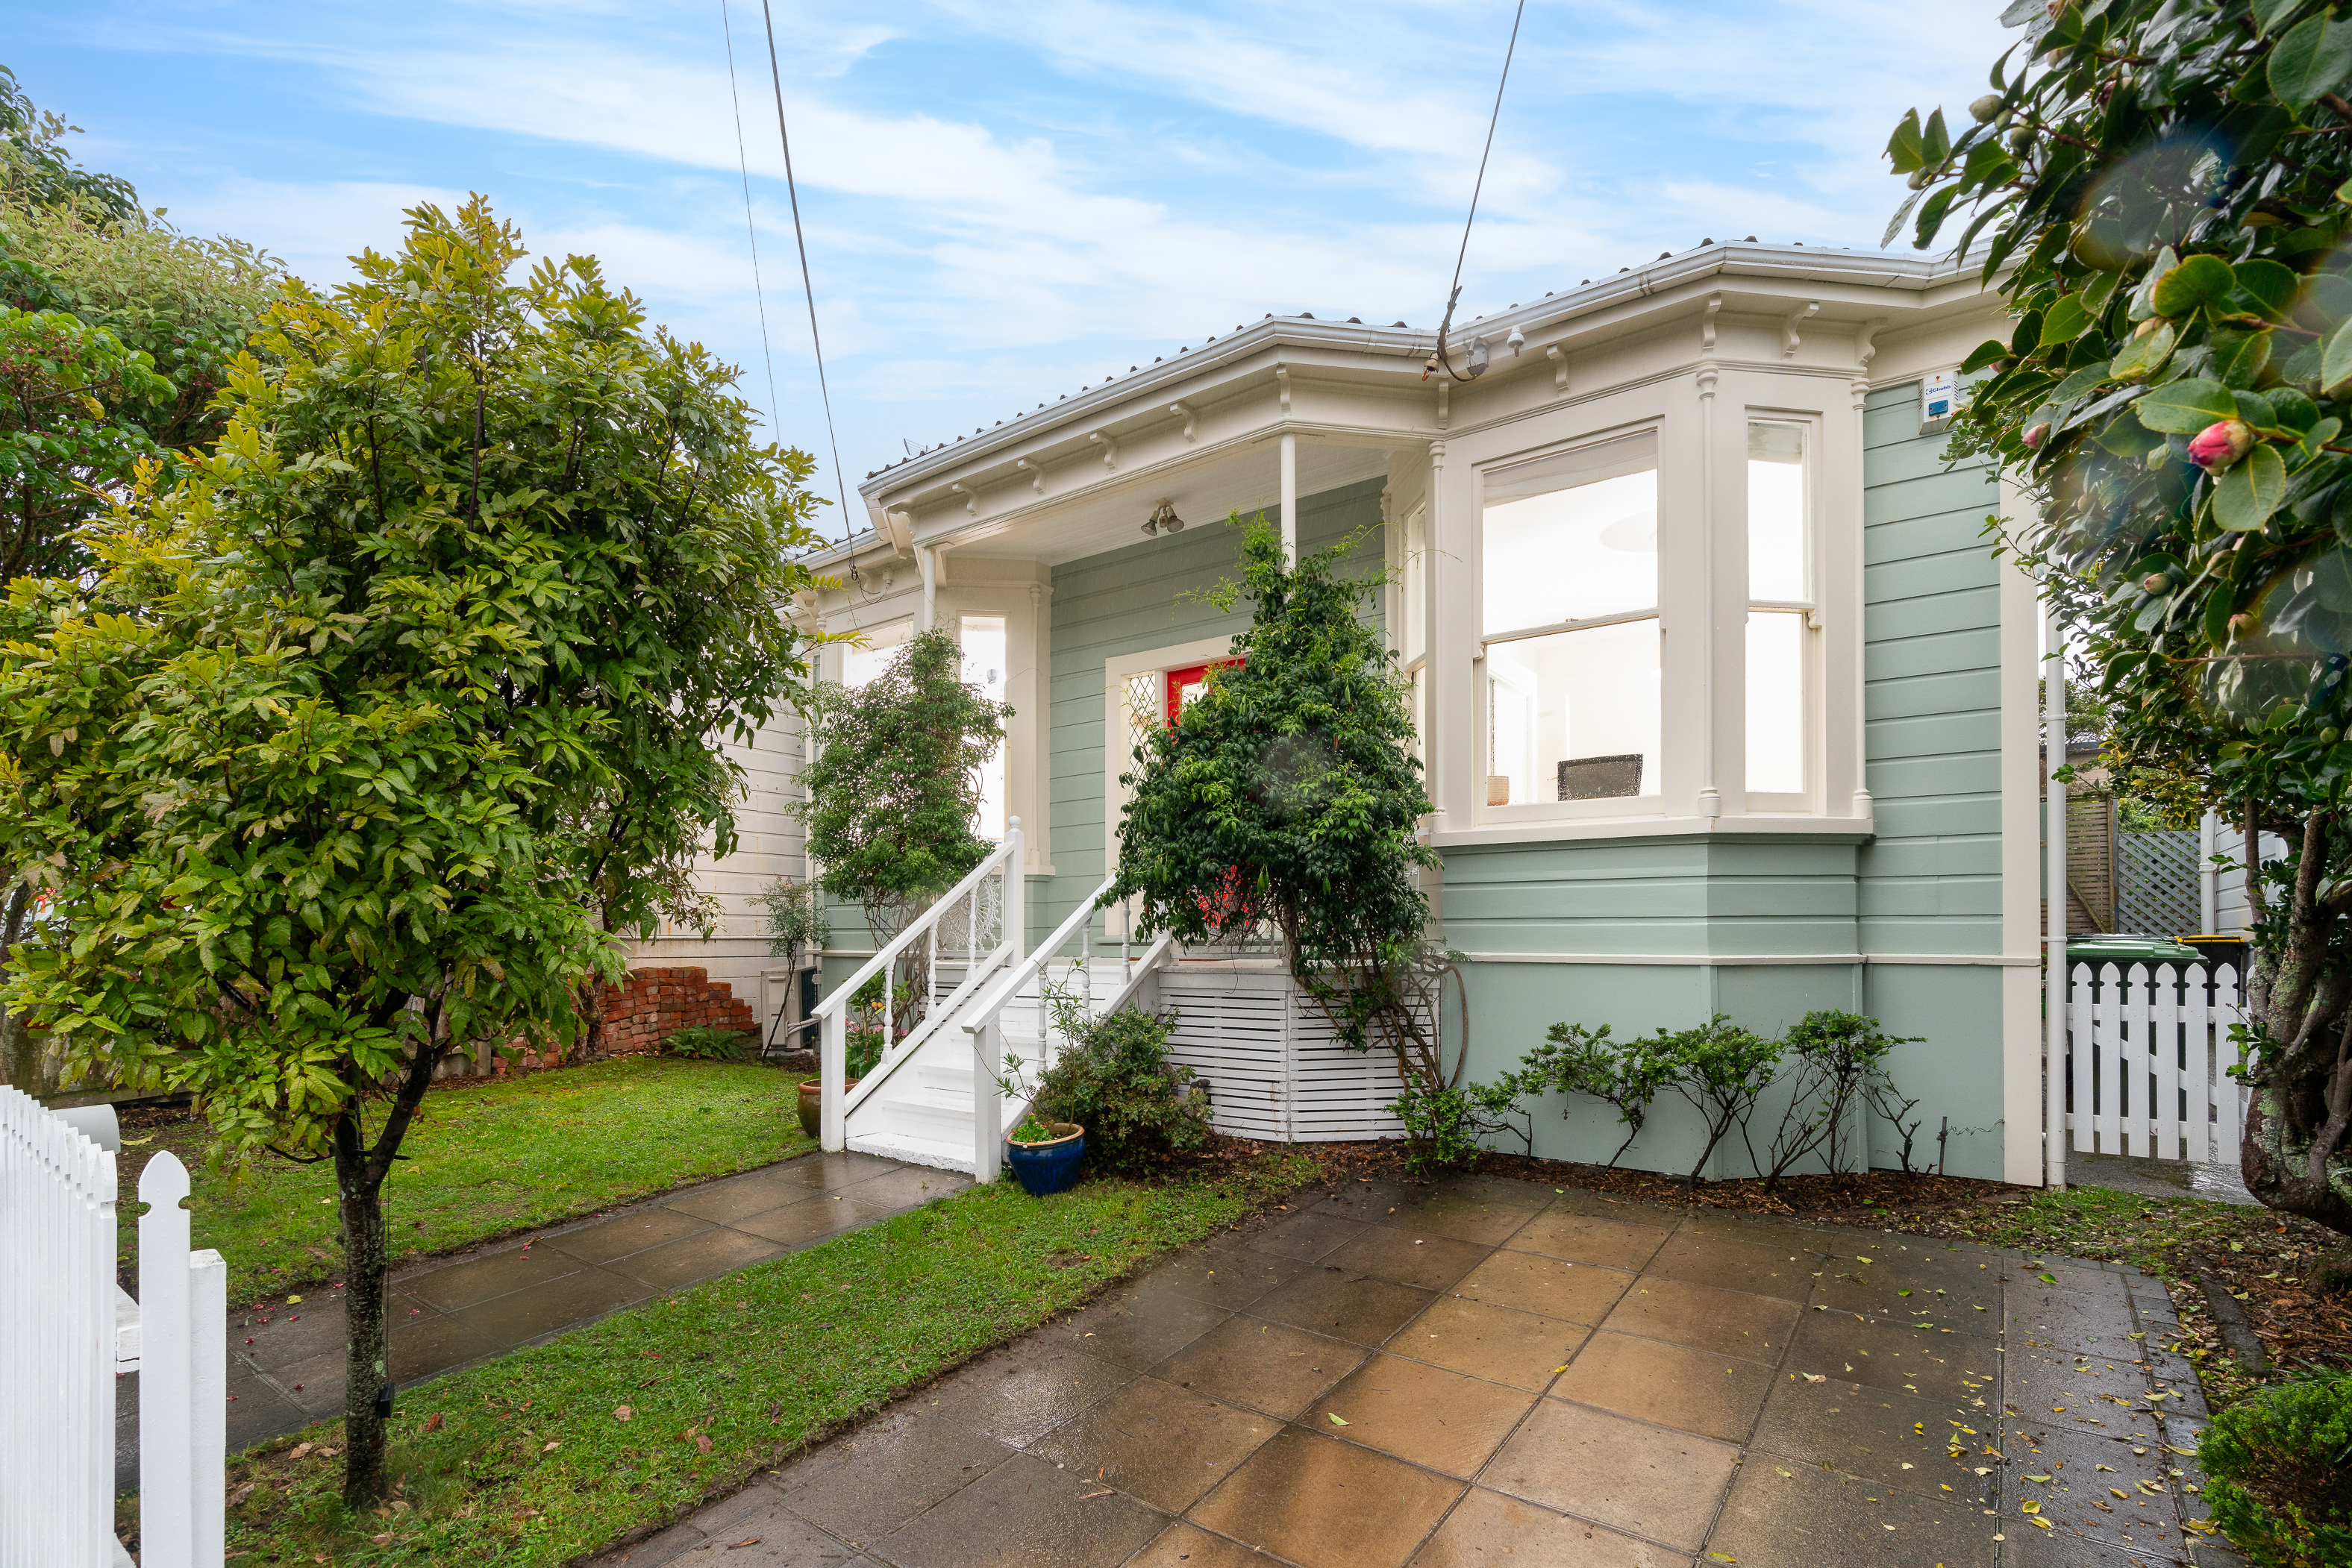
{"type": "Point", "coordinates": [1162, 520]}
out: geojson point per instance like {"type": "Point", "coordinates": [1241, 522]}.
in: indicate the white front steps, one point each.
{"type": "Point", "coordinates": [920, 1110]}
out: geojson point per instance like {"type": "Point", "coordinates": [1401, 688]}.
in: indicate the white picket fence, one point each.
{"type": "Point", "coordinates": [66, 1331]}
{"type": "Point", "coordinates": [2149, 1059]}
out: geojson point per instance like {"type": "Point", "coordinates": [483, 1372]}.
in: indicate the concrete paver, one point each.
{"type": "Point", "coordinates": [1497, 1372]}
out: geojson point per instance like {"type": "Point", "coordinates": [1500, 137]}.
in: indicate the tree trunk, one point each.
{"type": "Point", "coordinates": [2296, 1154]}
{"type": "Point", "coordinates": [367, 1277]}
{"type": "Point", "coordinates": [359, 1173]}
{"type": "Point", "coordinates": [21, 1061]}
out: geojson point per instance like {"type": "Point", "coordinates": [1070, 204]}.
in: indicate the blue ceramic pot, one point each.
{"type": "Point", "coordinates": [1051, 1167]}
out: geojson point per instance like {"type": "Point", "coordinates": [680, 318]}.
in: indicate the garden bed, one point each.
{"type": "Point", "coordinates": [484, 1158]}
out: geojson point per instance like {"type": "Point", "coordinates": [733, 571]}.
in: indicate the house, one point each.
{"type": "Point", "coordinates": [1727, 703]}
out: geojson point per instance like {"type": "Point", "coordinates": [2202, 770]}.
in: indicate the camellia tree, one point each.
{"type": "Point", "coordinates": [2164, 187]}
{"type": "Point", "coordinates": [1287, 792]}
{"type": "Point", "coordinates": [300, 764]}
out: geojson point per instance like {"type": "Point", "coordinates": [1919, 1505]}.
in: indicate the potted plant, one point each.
{"type": "Point", "coordinates": [1044, 1155]}
{"type": "Point", "coordinates": [862, 1048]}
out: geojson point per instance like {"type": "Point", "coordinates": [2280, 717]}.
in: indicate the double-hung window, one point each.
{"type": "Point", "coordinates": [1781, 616]}
{"type": "Point", "coordinates": [1569, 625]}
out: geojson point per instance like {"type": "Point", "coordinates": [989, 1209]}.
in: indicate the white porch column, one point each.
{"type": "Point", "coordinates": [928, 560]}
{"type": "Point", "coordinates": [1290, 500]}
{"type": "Point", "coordinates": [2055, 969]}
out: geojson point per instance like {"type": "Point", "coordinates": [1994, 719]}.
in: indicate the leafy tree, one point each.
{"type": "Point", "coordinates": [191, 305]}
{"type": "Point", "coordinates": [894, 791]}
{"type": "Point", "coordinates": [35, 168]}
{"type": "Point", "coordinates": [298, 763]}
{"type": "Point", "coordinates": [2164, 188]}
{"type": "Point", "coordinates": [115, 334]}
{"type": "Point", "coordinates": [1287, 791]}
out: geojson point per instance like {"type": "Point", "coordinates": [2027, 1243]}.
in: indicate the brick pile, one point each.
{"type": "Point", "coordinates": [651, 1005]}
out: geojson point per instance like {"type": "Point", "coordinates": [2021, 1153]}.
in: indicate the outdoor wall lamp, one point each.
{"type": "Point", "coordinates": [1162, 520]}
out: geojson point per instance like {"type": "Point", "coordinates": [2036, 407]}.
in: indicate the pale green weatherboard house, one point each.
{"type": "Point", "coordinates": [1727, 703]}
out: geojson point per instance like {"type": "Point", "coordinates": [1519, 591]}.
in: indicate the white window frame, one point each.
{"type": "Point", "coordinates": [1677, 710]}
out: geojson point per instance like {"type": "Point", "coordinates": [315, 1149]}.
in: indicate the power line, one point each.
{"type": "Point", "coordinates": [743, 163]}
{"type": "Point", "coordinates": [1454, 292]}
{"type": "Point", "coordinates": [776, 75]}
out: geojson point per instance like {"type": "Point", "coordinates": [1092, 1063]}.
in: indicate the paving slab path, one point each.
{"type": "Point", "coordinates": [286, 1358]}
{"type": "Point", "coordinates": [1500, 1373]}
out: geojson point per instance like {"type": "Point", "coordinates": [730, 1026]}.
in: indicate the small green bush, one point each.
{"type": "Point", "coordinates": [708, 1042]}
{"type": "Point", "coordinates": [1113, 1077]}
{"type": "Point", "coordinates": [2280, 1463]}
{"type": "Point", "coordinates": [1444, 1126]}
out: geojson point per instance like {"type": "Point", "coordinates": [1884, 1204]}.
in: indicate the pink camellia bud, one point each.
{"type": "Point", "coordinates": [2155, 582]}
{"type": "Point", "coordinates": [2035, 435]}
{"type": "Point", "coordinates": [2219, 445]}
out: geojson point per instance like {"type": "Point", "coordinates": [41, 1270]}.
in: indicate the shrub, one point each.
{"type": "Point", "coordinates": [1835, 1059]}
{"type": "Point", "coordinates": [1574, 1060]}
{"type": "Point", "coordinates": [2281, 1462]}
{"type": "Point", "coordinates": [1444, 1125]}
{"type": "Point", "coordinates": [1113, 1077]}
{"type": "Point", "coordinates": [708, 1042]}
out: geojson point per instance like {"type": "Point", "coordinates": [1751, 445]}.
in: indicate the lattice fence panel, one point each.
{"type": "Point", "coordinates": [2156, 882]}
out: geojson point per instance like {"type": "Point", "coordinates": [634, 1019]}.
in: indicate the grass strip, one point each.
{"type": "Point", "coordinates": [554, 1452]}
{"type": "Point", "coordinates": [486, 1160]}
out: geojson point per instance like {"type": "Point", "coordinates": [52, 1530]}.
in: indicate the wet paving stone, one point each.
{"type": "Point", "coordinates": [1428, 1262]}
{"type": "Point", "coordinates": [1154, 1440]}
{"type": "Point", "coordinates": [1583, 1238]}
{"type": "Point", "coordinates": [1425, 1415]}
{"type": "Point", "coordinates": [1724, 1323]}
{"type": "Point", "coordinates": [1896, 1438]}
{"type": "Point", "coordinates": [1629, 1475]}
{"type": "Point", "coordinates": [1670, 1384]}
{"type": "Point", "coordinates": [1306, 1236]}
{"type": "Point", "coordinates": [1264, 1365]}
{"type": "Point", "coordinates": [1488, 1529]}
{"type": "Point", "coordinates": [1326, 1504]}
{"type": "Point", "coordinates": [1025, 1513]}
{"type": "Point", "coordinates": [1498, 1344]}
{"type": "Point", "coordinates": [1018, 1395]}
{"type": "Point", "coordinates": [1737, 1266]}
{"type": "Point", "coordinates": [1801, 1516]}
{"type": "Point", "coordinates": [861, 1486]}
{"type": "Point", "coordinates": [1330, 1300]}
{"type": "Point", "coordinates": [1576, 1293]}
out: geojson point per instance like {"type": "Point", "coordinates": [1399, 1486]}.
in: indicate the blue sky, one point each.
{"type": "Point", "coordinates": [1008, 201]}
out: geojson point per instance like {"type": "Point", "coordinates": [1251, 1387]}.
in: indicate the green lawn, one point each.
{"type": "Point", "coordinates": [527, 1460]}
{"type": "Point", "coordinates": [488, 1159]}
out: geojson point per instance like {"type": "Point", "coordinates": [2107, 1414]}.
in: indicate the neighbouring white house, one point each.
{"type": "Point", "coordinates": [1727, 703]}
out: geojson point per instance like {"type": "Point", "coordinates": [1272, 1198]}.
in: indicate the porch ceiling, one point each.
{"type": "Point", "coordinates": [1204, 489]}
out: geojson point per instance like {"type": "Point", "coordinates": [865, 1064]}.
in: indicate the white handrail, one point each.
{"type": "Point", "coordinates": [985, 1011]}
{"type": "Point", "coordinates": [985, 1025]}
{"type": "Point", "coordinates": [832, 1012]}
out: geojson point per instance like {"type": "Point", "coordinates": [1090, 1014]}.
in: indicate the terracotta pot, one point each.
{"type": "Point", "coordinates": [812, 1105]}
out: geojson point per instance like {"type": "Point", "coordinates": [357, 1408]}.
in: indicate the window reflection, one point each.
{"type": "Point", "coordinates": [1570, 560]}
